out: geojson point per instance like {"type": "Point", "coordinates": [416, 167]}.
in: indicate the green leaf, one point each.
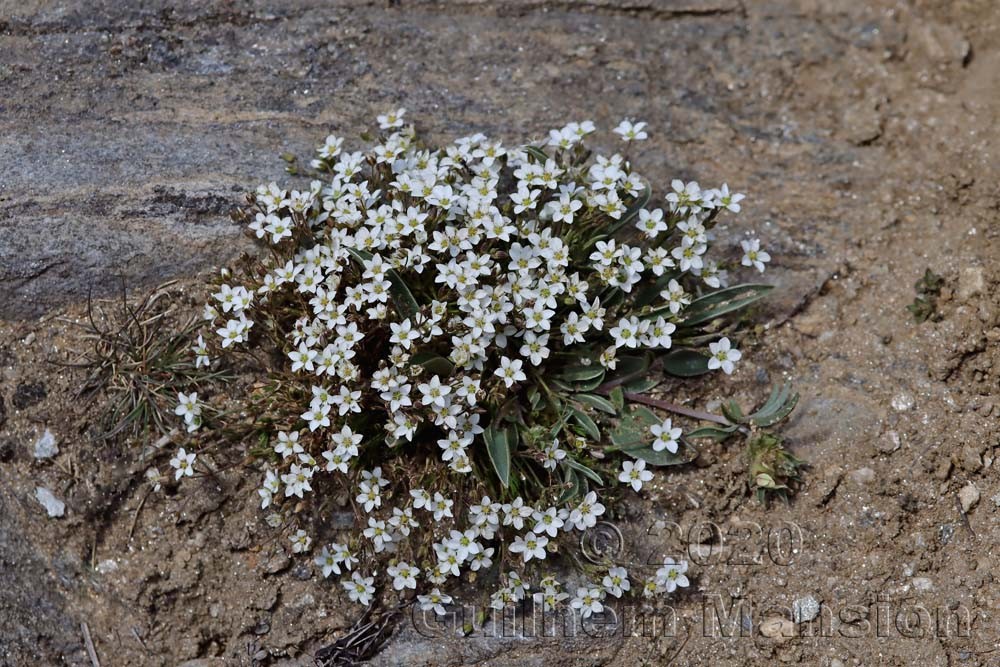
{"type": "Point", "coordinates": [581, 373]}
{"type": "Point", "coordinates": [720, 302]}
{"type": "Point", "coordinates": [597, 402]}
{"type": "Point", "coordinates": [633, 438]}
{"type": "Point", "coordinates": [576, 488]}
{"type": "Point", "coordinates": [617, 397]}
{"type": "Point", "coordinates": [632, 429]}
{"type": "Point", "coordinates": [559, 384]}
{"type": "Point", "coordinates": [779, 405]}
{"type": "Point", "coordinates": [685, 363]}
{"type": "Point", "coordinates": [589, 385]}
{"type": "Point", "coordinates": [777, 398]}
{"type": "Point", "coordinates": [587, 424]}
{"type": "Point", "coordinates": [717, 433]}
{"type": "Point", "coordinates": [433, 363]}
{"type": "Point", "coordinates": [661, 458]}
{"type": "Point", "coordinates": [733, 412]}
{"type": "Point", "coordinates": [537, 153]}
{"type": "Point", "coordinates": [534, 398]}
{"type": "Point", "coordinates": [629, 364]}
{"type": "Point", "coordinates": [499, 443]}
{"type": "Point", "coordinates": [778, 414]}
{"type": "Point", "coordinates": [402, 298]}
{"type": "Point", "coordinates": [641, 385]}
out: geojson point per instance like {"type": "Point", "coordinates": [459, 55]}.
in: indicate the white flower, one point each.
{"type": "Point", "coordinates": [588, 601]}
{"type": "Point", "coordinates": [441, 507]}
{"type": "Point", "coordinates": [530, 546]}
{"type": "Point", "coordinates": [667, 436]}
{"type": "Point", "coordinates": [435, 393]}
{"type": "Point", "coordinates": [585, 514]}
{"type": "Point", "coordinates": [435, 600]}
{"type": "Point", "coordinates": [327, 562]}
{"type": "Point", "coordinates": [300, 542]}
{"type": "Point", "coordinates": [421, 499]}
{"type": "Point", "coordinates": [187, 406]}
{"type": "Point", "coordinates": [510, 371]}
{"type": "Point", "coordinates": [651, 223]}
{"type": "Point", "coordinates": [635, 473]}
{"type": "Point", "coordinates": [631, 131]}
{"type": "Point", "coordinates": [626, 333]}
{"type": "Point", "coordinates": [403, 333]}
{"type": "Point", "coordinates": [671, 575]}
{"type": "Point", "coordinates": [723, 199]}
{"type": "Point", "coordinates": [616, 582]}
{"type": "Point", "coordinates": [360, 589]}
{"type": "Point", "coordinates": [723, 356]}
{"type": "Point", "coordinates": [403, 575]}
{"type": "Point", "coordinates": [391, 120]}
{"type": "Point", "coordinates": [535, 347]}
{"type": "Point", "coordinates": [183, 463]}
{"type": "Point", "coordinates": [288, 444]}
{"type": "Point", "coordinates": [753, 255]}
{"type": "Point", "coordinates": [548, 521]}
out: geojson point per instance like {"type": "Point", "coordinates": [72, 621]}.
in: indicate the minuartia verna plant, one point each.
{"type": "Point", "coordinates": [459, 344]}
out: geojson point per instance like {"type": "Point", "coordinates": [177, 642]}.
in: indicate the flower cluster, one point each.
{"type": "Point", "coordinates": [455, 324]}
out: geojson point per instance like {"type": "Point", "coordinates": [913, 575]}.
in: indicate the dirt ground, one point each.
{"type": "Point", "coordinates": [863, 132]}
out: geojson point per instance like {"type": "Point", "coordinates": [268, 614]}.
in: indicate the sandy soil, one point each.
{"type": "Point", "coordinates": [865, 133]}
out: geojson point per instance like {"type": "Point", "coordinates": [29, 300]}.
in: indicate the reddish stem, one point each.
{"type": "Point", "coordinates": [679, 409]}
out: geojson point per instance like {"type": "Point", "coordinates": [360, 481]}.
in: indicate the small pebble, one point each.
{"type": "Point", "coordinates": [779, 629]}
{"type": "Point", "coordinates": [968, 496]}
{"type": "Point", "coordinates": [922, 584]}
{"type": "Point", "coordinates": [107, 566]}
{"type": "Point", "coordinates": [805, 609]}
{"type": "Point", "coordinates": [888, 442]}
{"type": "Point", "coordinates": [902, 402]}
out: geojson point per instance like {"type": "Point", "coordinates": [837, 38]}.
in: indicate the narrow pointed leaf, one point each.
{"type": "Point", "coordinates": [597, 402]}
{"type": "Point", "coordinates": [587, 424]}
{"type": "Point", "coordinates": [402, 298]}
{"type": "Point", "coordinates": [498, 446]}
{"type": "Point", "coordinates": [587, 472]}
{"type": "Point", "coordinates": [721, 302]}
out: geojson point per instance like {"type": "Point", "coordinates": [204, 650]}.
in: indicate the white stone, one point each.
{"type": "Point", "coordinates": [52, 505]}
{"type": "Point", "coordinates": [923, 584]}
{"type": "Point", "coordinates": [45, 446]}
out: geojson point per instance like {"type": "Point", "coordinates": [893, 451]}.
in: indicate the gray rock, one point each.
{"type": "Point", "coordinates": [940, 43]}
{"type": "Point", "coordinates": [888, 442]}
{"type": "Point", "coordinates": [971, 282]}
{"type": "Point", "coordinates": [863, 476]}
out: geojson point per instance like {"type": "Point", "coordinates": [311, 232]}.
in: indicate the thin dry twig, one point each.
{"type": "Point", "coordinates": [89, 643]}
